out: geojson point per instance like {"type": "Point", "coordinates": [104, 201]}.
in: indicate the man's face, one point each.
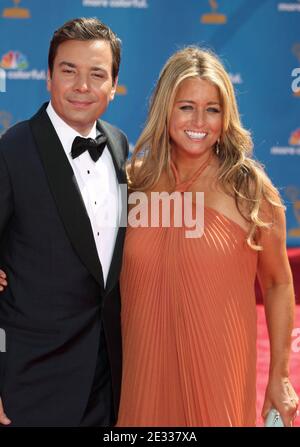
{"type": "Point", "coordinates": [81, 85]}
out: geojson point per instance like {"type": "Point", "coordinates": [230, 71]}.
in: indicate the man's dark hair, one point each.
{"type": "Point", "coordinates": [86, 29]}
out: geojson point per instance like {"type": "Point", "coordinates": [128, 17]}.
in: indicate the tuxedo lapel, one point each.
{"type": "Point", "coordinates": [119, 150]}
{"type": "Point", "coordinates": [66, 193]}
{"type": "Point", "coordinates": [116, 150]}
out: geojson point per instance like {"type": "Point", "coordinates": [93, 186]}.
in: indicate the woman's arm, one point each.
{"type": "Point", "coordinates": [276, 281]}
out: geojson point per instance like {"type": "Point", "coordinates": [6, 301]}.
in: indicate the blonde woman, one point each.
{"type": "Point", "coordinates": [188, 304]}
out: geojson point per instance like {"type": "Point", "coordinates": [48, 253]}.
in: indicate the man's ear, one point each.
{"type": "Point", "coordinates": [114, 89]}
{"type": "Point", "coordinates": [48, 80]}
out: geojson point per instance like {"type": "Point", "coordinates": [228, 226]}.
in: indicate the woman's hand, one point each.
{"type": "Point", "coordinates": [3, 282]}
{"type": "Point", "coordinates": [281, 395]}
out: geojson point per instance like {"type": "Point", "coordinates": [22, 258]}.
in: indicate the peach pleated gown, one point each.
{"type": "Point", "coordinates": [188, 326]}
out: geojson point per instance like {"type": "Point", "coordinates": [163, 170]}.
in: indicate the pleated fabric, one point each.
{"type": "Point", "coordinates": [188, 326]}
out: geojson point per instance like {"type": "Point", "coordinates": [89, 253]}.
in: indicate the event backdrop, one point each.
{"type": "Point", "coordinates": [258, 40]}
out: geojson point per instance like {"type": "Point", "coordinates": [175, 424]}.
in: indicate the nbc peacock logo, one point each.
{"type": "Point", "coordinates": [295, 138]}
{"type": "Point", "coordinates": [15, 65]}
{"type": "Point", "coordinates": [14, 60]}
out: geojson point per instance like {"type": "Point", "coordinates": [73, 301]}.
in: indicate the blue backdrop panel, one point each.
{"type": "Point", "coordinates": [258, 40]}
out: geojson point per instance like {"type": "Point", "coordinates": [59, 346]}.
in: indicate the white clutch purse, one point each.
{"type": "Point", "coordinates": [273, 419]}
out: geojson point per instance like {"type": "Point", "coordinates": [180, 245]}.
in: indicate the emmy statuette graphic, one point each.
{"type": "Point", "coordinates": [16, 12]}
{"type": "Point", "coordinates": [213, 17]}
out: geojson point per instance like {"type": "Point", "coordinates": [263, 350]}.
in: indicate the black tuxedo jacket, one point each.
{"type": "Point", "coordinates": [55, 304]}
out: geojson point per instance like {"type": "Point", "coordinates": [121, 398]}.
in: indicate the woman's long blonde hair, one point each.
{"type": "Point", "coordinates": [239, 174]}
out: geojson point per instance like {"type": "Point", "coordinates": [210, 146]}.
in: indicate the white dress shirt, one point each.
{"type": "Point", "coordinates": [98, 184]}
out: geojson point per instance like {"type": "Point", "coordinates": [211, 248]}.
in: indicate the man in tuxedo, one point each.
{"type": "Point", "coordinates": [60, 177]}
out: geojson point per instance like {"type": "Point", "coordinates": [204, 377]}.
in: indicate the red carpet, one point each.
{"type": "Point", "coordinates": [263, 358]}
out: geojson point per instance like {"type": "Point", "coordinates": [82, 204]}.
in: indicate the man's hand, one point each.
{"type": "Point", "coordinates": [3, 418]}
{"type": "Point", "coordinates": [3, 282]}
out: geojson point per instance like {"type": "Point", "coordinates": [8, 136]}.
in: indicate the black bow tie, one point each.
{"type": "Point", "coordinates": [94, 147]}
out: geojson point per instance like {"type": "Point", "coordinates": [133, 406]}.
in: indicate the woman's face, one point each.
{"type": "Point", "coordinates": [196, 118]}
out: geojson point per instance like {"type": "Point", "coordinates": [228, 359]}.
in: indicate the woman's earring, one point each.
{"type": "Point", "coordinates": [217, 147]}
